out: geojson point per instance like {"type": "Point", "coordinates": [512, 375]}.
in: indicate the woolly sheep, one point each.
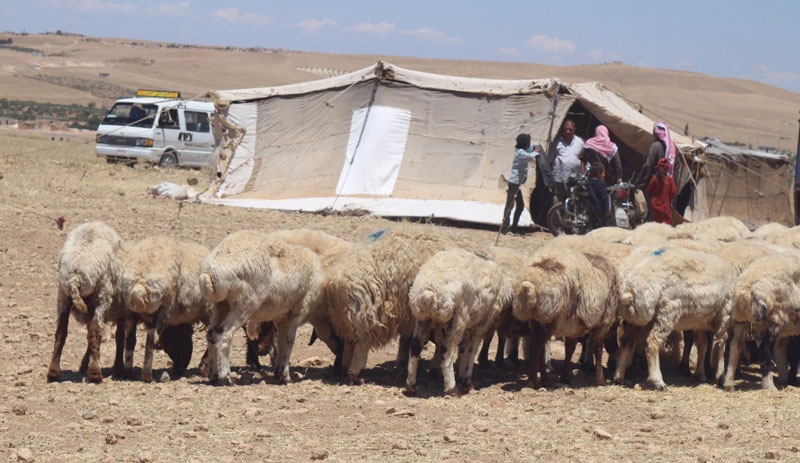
{"type": "Point", "coordinates": [654, 232]}
{"type": "Point", "coordinates": [457, 294]}
{"type": "Point", "coordinates": [769, 229]}
{"type": "Point", "coordinates": [610, 234]}
{"type": "Point", "coordinates": [251, 275]}
{"type": "Point", "coordinates": [367, 290]}
{"type": "Point", "coordinates": [766, 294]}
{"type": "Point", "coordinates": [566, 292]}
{"type": "Point", "coordinates": [159, 283]}
{"type": "Point", "coordinates": [722, 228]}
{"type": "Point", "coordinates": [672, 288]}
{"type": "Point", "coordinates": [88, 273]}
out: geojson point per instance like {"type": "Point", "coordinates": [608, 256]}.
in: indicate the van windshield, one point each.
{"type": "Point", "coordinates": [133, 114]}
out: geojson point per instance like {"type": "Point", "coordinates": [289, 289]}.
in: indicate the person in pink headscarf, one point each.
{"type": "Point", "coordinates": [600, 149]}
{"type": "Point", "coordinates": [662, 147]}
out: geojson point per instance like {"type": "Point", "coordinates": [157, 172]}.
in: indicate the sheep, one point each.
{"type": "Point", "coordinates": [251, 275]}
{"type": "Point", "coordinates": [672, 288]}
{"type": "Point", "coordinates": [722, 228]}
{"type": "Point", "coordinates": [457, 294]}
{"type": "Point", "coordinates": [610, 234]}
{"type": "Point", "coordinates": [159, 283]}
{"type": "Point", "coordinates": [566, 292]}
{"type": "Point", "coordinates": [88, 283]}
{"type": "Point", "coordinates": [654, 232]}
{"type": "Point", "coordinates": [367, 288]}
{"type": "Point", "coordinates": [766, 294]}
{"type": "Point", "coordinates": [769, 229]}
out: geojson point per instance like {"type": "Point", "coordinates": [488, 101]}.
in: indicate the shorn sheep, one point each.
{"type": "Point", "coordinates": [722, 228]}
{"type": "Point", "coordinates": [159, 283]}
{"type": "Point", "coordinates": [367, 290]}
{"type": "Point", "coordinates": [253, 276]}
{"type": "Point", "coordinates": [88, 283]}
{"type": "Point", "coordinates": [566, 292]}
{"type": "Point", "coordinates": [767, 294]}
{"type": "Point", "coordinates": [671, 288]}
{"type": "Point", "coordinates": [457, 294]}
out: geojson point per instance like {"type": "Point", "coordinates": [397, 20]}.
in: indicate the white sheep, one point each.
{"type": "Point", "coordinates": [672, 288]}
{"type": "Point", "coordinates": [367, 290]}
{"type": "Point", "coordinates": [654, 232]}
{"type": "Point", "coordinates": [610, 234]}
{"type": "Point", "coordinates": [569, 293]}
{"type": "Point", "coordinates": [766, 294]}
{"type": "Point", "coordinates": [457, 294]}
{"type": "Point", "coordinates": [160, 284]}
{"type": "Point", "coordinates": [769, 229]}
{"type": "Point", "coordinates": [722, 228]}
{"type": "Point", "coordinates": [251, 275]}
{"type": "Point", "coordinates": [88, 276]}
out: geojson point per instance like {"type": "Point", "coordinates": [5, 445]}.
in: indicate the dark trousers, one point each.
{"type": "Point", "coordinates": [513, 196]}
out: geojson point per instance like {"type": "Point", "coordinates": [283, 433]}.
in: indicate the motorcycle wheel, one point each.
{"type": "Point", "coordinates": [555, 219]}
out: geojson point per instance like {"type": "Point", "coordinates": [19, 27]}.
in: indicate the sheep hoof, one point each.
{"type": "Point", "coordinates": [227, 381]}
{"type": "Point", "coordinates": [658, 386]}
{"type": "Point", "coordinates": [466, 386]}
{"type": "Point", "coordinates": [53, 375]}
{"type": "Point", "coordinates": [727, 388]}
{"type": "Point", "coordinates": [600, 382]}
{"type": "Point", "coordinates": [533, 384]}
{"type": "Point", "coordinates": [410, 391]}
{"type": "Point", "coordinates": [355, 380]}
{"type": "Point", "coordinates": [94, 376]}
{"type": "Point", "coordinates": [453, 392]}
{"type": "Point", "coordinates": [147, 377]}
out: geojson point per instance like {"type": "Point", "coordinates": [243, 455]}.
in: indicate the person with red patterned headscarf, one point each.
{"type": "Point", "coordinates": [601, 149]}
{"type": "Point", "coordinates": [661, 191]}
{"type": "Point", "coordinates": [662, 147]}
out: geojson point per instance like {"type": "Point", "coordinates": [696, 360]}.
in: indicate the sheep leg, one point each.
{"type": "Point", "coordinates": [510, 347]}
{"type": "Point", "coordinates": [483, 356]}
{"type": "Point", "coordinates": [766, 354]}
{"type": "Point", "coordinates": [548, 359]}
{"type": "Point", "coordinates": [221, 336]}
{"type": "Point", "coordinates": [54, 372]}
{"type": "Point", "coordinates": [655, 339]}
{"type": "Point", "coordinates": [119, 354]}
{"type": "Point", "coordinates": [347, 356]}
{"type": "Point", "coordinates": [94, 336]}
{"type": "Point", "coordinates": [627, 344]}
{"type": "Point", "coordinates": [737, 344]}
{"type": "Point", "coordinates": [422, 331]}
{"type": "Point", "coordinates": [465, 381]}
{"type": "Point", "coordinates": [719, 341]}
{"type": "Point", "coordinates": [569, 350]}
{"type": "Point", "coordinates": [359, 361]}
{"type": "Point", "coordinates": [451, 347]}
{"type": "Point", "coordinates": [702, 346]}
{"type": "Point", "coordinates": [688, 342]}
{"type": "Point", "coordinates": [403, 346]}
{"type": "Point", "coordinates": [781, 360]}
{"type": "Point", "coordinates": [793, 351]}
{"type": "Point", "coordinates": [286, 333]}
{"type": "Point", "coordinates": [538, 340]}
{"type": "Point", "coordinates": [149, 348]}
{"type": "Point", "coordinates": [130, 346]}
{"type": "Point", "coordinates": [597, 346]}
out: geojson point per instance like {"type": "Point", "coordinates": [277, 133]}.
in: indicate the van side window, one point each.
{"type": "Point", "coordinates": [197, 121]}
{"type": "Point", "coordinates": [168, 119]}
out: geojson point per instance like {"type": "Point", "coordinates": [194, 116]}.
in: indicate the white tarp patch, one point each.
{"type": "Point", "coordinates": [374, 151]}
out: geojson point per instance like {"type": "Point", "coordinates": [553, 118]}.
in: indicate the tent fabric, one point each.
{"type": "Point", "coordinates": [398, 142]}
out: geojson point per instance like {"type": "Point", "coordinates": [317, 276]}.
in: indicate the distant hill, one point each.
{"type": "Point", "coordinates": [69, 68]}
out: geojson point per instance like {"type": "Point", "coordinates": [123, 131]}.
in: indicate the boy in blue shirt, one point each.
{"type": "Point", "coordinates": [599, 206]}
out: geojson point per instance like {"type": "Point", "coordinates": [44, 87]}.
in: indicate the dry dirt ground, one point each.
{"type": "Point", "coordinates": [319, 417]}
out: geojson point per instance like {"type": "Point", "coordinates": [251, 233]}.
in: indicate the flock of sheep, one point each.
{"type": "Point", "coordinates": [615, 290]}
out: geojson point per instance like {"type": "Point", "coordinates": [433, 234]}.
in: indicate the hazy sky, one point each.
{"type": "Point", "coordinates": [756, 40]}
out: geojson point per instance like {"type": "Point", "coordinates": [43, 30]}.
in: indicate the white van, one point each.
{"type": "Point", "coordinates": [159, 129]}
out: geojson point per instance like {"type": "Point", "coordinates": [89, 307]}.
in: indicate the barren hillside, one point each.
{"type": "Point", "coordinates": [67, 69]}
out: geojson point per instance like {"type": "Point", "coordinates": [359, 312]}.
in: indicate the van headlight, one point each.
{"type": "Point", "coordinates": [101, 139]}
{"type": "Point", "coordinates": [147, 142]}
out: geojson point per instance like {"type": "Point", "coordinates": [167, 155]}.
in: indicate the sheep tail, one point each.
{"type": "Point", "coordinates": [74, 289]}
{"type": "Point", "coordinates": [137, 298]}
{"type": "Point", "coordinates": [525, 301]}
{"type": "Point", "coordinates": [209, 289]}
{"type": "Point", "coordinates": [627, 299]}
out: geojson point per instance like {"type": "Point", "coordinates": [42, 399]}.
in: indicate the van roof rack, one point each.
{"type": "Point", "coordinates": [158, 93]}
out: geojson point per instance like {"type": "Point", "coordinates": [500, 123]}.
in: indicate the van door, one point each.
{"type": "Point", "coordinates": [168, 131]}
{"type": "Point", "coordinates": [198, 141]}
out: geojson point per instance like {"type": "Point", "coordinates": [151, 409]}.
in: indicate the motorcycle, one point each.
{"type": "Point", "coordinates": [571, 216]}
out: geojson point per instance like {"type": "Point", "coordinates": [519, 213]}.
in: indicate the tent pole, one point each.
{"type": "Point", "coordinates": [552, 117]}
{"type": "Point", "coordinates": [796, 177]}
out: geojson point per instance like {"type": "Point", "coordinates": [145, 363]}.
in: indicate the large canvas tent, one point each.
{"type": "Point", "coordinates": [398, 142]}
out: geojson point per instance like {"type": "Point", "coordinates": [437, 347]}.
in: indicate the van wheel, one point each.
{"type": "Point", "coordinates": [168, 161]}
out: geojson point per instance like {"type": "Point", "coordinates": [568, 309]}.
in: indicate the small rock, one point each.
{"type": "Point", "coordinates": [400, 445]}
{"type": "Point", "coordinates": [646, 429]}
{"type": "Point", "coordinates": [111, 438]}
{"type": "Point", "coordinates": [24, 370]}
{"type": "Point", "coordinates": [191, 181]}
{"type": "Point", "coordinates": [319, 454]}
{"type": "Point", "coordinates": [88, 414]}
{"type": "Point", "coordinates": [390, 410]}
{"type": "Point", "coordinates": [480, 426]}
{"type": "Point", "coordinates": [403, 413]}
{"type": "Point", "coordinates": [251, 413]}
{"type": "Point", "coordinates": [145, 457]}
{"type": "Point", "coordinates": [25, 454]}
{"type": "Point", "coordinates": [19, 410]}
{"type": "Point", "coordinates": [201, 428]}
{"type": "Point", "coordinates": [300, 399]}
{"type": "Point", "coordinates": [450, 435]}
{"type": "Point", "coordinates": [263, 433]}
{"type": "Point", "coordinates": [602, 434]}
{"type": "Point", "coordinates": [133, 422]}
{"type": "Point", "coordinates": [795, 449]}
{"type": "Point", "coordinates": [723, 426]}
{"type": "Point", "coordinates": [190, 435]}
{"type": "Point", "coordinates": [113, 402]}
{"type": "Point", "coordinates": [165, 377]}
{"type": "Point", "coordinates": [771, 455]}
{"type": "Point", "coordinates": [657, 415]}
